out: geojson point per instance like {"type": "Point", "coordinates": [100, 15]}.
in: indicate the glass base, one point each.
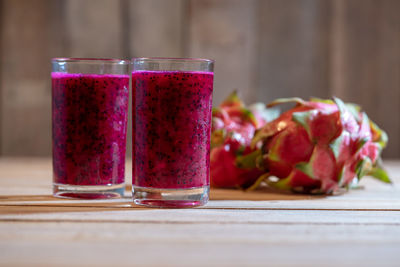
{"type": "Point", "coordinates": [170, 198]}
{"type": "Point", "coordinates": [88, 191]}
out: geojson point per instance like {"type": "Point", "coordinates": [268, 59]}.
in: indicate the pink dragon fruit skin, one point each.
{"type": "Point", "coordinates": [319, 146]}
{"type": "Point", "coordinates": [225, 173]}
{"type": "Point", "coordinates": [233, 127]}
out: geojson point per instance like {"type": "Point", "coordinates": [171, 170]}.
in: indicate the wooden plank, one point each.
{"type": "Point", "coordinates": [185, 245]}
{"type": "Point", "coordinates": [215, 232]}
{"type": "Point", "coordinates": [220, 254]}
{"type": "Point", "coordinates": [200, 216]}
{"type": "Point", "coordinates": [226, 31]}
{"type": "Point", "coordinates": [27, 29]}
{"type": "Point", "coordinates": [28, 182]}
{"type": "Point", "coordinates": [366, 61]}
{"type": "Point", "coordinates": [155, 28]}
{"type": "Point", "coordinates": [93, 28]}
{"type": "Point", "coordinates": [311, 230]}
{"type": "Point", "coordinates": [294, 49]}
{"type": "Point", "coordinates": [33, 203]}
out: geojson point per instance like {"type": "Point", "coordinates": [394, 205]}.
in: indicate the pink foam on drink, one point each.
{"type": "Point", "coordinates": [89, 128]}
{"type": "Point", "coordinates": [171, 128]}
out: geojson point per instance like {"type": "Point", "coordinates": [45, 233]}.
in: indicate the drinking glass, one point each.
{"type": "Point", "coordinates": [172, 101]}
{"type": "Point", "coordinates": [89, 123]}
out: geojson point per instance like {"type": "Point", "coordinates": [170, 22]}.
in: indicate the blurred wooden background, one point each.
{"type": "Point", "coordinates": [266, 49]}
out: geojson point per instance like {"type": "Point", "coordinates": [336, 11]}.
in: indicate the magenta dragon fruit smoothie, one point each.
{"type": "Point", "coordinates": [172, 129]}
{"type": "Point", "coordinates": [171, 132]}
{"type": "Point", "coordinates": [89, 133]}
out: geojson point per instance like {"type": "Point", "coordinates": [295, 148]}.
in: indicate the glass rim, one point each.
{"type": "Point", "coordinates": [173, 59]}
{"type": "Point", "coordinates": [90, 60]}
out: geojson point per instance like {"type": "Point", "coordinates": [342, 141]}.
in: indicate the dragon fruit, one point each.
{"type": "Point", "coordinates": [233, 127]}
{"type": "Point", "coordinates": [319, 147]}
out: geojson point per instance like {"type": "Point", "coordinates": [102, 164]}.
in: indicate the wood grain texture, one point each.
{"type": "Point", "coordinates": [155, 28]}
{"type": "Point", "coordinates": [294, 49]}
{"type": "Point", "coordinates": [27, 30]}
{"type": "Point", "coordinates": [266, 49]}
{"type": "Point", "coordinates": [236, 228]}
{"type": "Point", "coordinates": [197, 245]}
{"type": "Point", "coordinates": [93, 28]}
{"type": "Point", "coordinates": [226, 31]}
{"type": "Point", "coordinates": [367, 61]}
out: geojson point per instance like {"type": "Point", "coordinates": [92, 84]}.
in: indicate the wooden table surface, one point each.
{"type": "Point", "coordinates": [359, 228]}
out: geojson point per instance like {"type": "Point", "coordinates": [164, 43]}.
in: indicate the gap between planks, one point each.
{"type": "Point", "coordinates": [193, 222]}
{"type": "Point", "coordinates": [129, 207]}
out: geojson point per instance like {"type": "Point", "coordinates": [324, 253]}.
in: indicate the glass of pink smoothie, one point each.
{"type": "Point", "coordinates": [89, 123]}
{"type": "Point", "coordinates": [172, 100]}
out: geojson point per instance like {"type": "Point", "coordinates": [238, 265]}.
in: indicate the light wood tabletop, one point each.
{"type": "Point", "coordinates": [236, 228]}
